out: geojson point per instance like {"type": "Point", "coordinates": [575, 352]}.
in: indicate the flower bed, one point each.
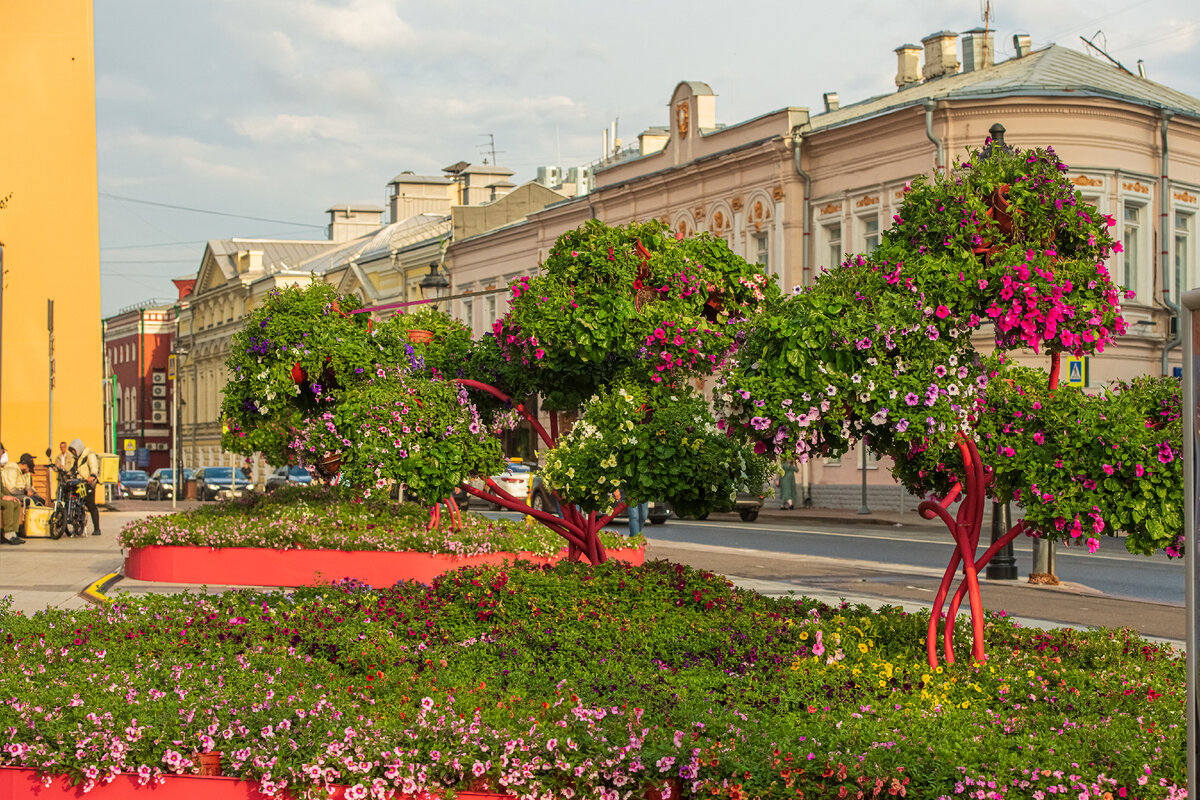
{"type": "Point", "coordinates": [298, 537]}
{"type": "Point", "coordinates": [574, 681]}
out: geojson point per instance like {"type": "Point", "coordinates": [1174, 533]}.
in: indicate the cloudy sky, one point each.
{"type": "Point", "coordinates": [273, 110]}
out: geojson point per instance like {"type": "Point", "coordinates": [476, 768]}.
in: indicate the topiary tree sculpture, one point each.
{"type": "Point", "coordinates": [616, 328]}
{"type": "Point", "coordinates": [885, 348]}
{"type": "Point", "coordinates": [313, 383]}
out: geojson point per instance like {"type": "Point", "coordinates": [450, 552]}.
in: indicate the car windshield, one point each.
{"type": "Point", "coordinates": [520, 468]}
{"type": "Point", "coordinates": [223, 474]}
{"type": "Point", "coordinates": [134, 475]}
{"type": "Point", "coordinates": [298, 472]}
{"type": "Point", "coordinates": [169, 475]}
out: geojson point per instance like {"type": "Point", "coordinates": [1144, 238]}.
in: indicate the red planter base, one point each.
{"type": "Point", "coordinates": [257, 566]}
{"type": "Point", "coordinates": [17, 783]}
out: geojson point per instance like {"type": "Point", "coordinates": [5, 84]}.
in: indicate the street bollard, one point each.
{"type": "Point", "coordinates": [1043, 563]}
{"type": "Point", "coordinates": [1003, 565]}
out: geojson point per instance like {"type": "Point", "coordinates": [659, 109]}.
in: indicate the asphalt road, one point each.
{"type": "Point", "coordinates": [1111, 570]}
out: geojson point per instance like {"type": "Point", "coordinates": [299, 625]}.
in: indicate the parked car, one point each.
{"type": "Point", "coordinates": [132, 483]}
{"type": "Point", "coordinates": [747, 505]}
{"type": "Point", "coordinates": [658, 512]}
{"type": "Point", "coordinates": [214, 482]}
{"type": "Point", "coordinates": [162, 484]}
{"type": "Point", "coordinates": [288, 476]}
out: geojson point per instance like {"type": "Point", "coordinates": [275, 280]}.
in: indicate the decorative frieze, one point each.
{"type": "Point", "coordinates": [1084, 180]}
{"type": "Point", "coordinates": [1135, 186]}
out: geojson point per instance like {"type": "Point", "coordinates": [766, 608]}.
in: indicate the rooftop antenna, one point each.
{"type": "Point", "coordinates": [987, 19]}
{"type": "Point", "coordinates": [1100, 50]}
{"type": "Point", "coordinates": [490, 147]}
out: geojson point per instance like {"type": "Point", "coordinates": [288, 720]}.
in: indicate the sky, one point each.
{"type": "Point", "coordinates": [268, 112]}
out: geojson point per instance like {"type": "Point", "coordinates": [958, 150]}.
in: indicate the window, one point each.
{"type": "Point", "coordinates": [1131, 241]}
{"type": "Point", "coordinates": [1185, 273]}
{"type": "Point", "coordinates": [489, 308]}
{"type": "Point", "coordinates": [833, 237]}
{"type": "Point", "coordinates": [468, 314]}
{"type": "Point", "coordinates": [762, 251]}
{"type": "Point", "coordinates": [870, 234]}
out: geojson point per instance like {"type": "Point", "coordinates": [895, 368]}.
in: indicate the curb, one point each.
{"type": "Point", "coordinates": [94, 593]}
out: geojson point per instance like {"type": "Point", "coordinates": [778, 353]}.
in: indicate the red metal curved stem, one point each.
{"type": "Point", "coordinates": [1012, 533]}
{"type": "Point", "coordinates": [494, 392]}
{"type": "Point", "coordinates": [1055, 364]}
{"type": "Point", "coordinates": [569, 532]}
{"type": "Point", "coordinates": [935, 615]}
{"type": "Point", "coordinates": [455, 514]}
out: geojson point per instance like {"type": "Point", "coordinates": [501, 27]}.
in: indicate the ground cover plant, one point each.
{"type": "Point", "coordinates": [580, 681]}
{"type": "Point", "coordinates": [332, 518]}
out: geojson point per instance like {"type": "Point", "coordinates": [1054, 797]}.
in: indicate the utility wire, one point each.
{"type": "Point", "coordinates": [207, 211]}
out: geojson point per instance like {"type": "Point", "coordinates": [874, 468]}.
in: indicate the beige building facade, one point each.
{"type": "Point", "coordinates": [797, 192]}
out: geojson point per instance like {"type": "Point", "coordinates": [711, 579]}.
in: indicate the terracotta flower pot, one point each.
{"type": "Point", "coordinates": [1000, 210]}
{"type": "Point", "coordinates": [419, 336]}
{"type": "Point", "coordinates": [668, 790]}
{"type": "Point", "coordinates": [210, 763]}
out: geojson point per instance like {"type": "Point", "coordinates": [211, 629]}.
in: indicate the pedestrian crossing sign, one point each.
{"type": "Point", "coordinates": [1077, 371]}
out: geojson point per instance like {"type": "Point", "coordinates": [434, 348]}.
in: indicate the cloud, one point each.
{"type": "Point", "coordinates": [120, 89]}
{"type": "Point", "coordinates": [360, 24]}
{"type": "Point", "coordinates": [175, 152]}
{"type": "Point", "coordinates": [295, 128]}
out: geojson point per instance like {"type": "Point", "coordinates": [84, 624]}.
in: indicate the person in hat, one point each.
{"type": "Point", "coordinates": [16, 491]}
{"type": "Point", "coordinates": [87, 467]}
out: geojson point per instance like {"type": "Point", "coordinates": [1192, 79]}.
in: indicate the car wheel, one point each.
{"type": "Point", "coordinates": [658, 520]}
{"type": "Point", "coordinates": [542, 503]}
{"type": "Point", "coordinates": [749, 514]}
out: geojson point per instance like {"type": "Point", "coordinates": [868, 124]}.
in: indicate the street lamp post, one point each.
{"type": "Point", "coordinates": [173, 376]}
{"type": "Point", "coordinates": [434, 284]}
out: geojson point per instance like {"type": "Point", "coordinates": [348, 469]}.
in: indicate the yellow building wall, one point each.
{"type": "Point", "coordinates": [50, 225]}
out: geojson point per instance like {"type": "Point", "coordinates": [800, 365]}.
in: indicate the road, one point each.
{"type": "Point", "coordinates": [1111, 570]}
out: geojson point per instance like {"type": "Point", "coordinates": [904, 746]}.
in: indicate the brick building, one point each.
{"type": "Point", "coordinates": [137, 342]}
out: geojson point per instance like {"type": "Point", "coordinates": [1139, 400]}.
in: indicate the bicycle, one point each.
{"type": "Point", "coordinates": [69, 516]}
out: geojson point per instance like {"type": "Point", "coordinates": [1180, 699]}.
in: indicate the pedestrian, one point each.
{"type": "Point", "coordinates": [87, 467]}
{"type": "Point", "coordinates": [638, 513]}
{"type": "Point", "coordinates": [16, 490]}
{"type": "Point", "coordinates": [63, 460]}
{"type": "Point", "coordinates": [3, 455]}
{"type": "Point", "coordinates": [787, 486]}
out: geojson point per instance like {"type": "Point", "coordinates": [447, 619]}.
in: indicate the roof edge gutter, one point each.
{"type": "Point", "coordinates": [1164, 223]}
{"type": "Point", "coordinates": [930, 105]}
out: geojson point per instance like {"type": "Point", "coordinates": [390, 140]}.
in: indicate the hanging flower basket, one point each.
{"type": "Point", "coordinates": [330, 465]}
{"type": "Point", "coordinates": [419, 336]}
{"type": "Point", "coordinates": [999, 209]}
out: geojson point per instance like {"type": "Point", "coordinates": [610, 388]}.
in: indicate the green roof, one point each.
{"type": "Point", "coordinates": [1052, 71]}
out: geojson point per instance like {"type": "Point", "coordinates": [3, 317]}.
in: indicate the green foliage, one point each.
{"type": "Point", "coordinates": [1085, 465]}
{"type": "Point", "coordinates": [592, 313]}
{"type": "Point", "coordinates": [584, 681]}
{"type": "Point", "coordinates": [401, 427]}
{"type": "Point", "coordinates": [650, 443]}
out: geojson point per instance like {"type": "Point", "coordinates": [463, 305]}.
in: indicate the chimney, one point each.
{"type": "Point", "coordinates": [249, 262]}
{"type": "Point", "coordinates": [831, 101]}
{"type": "Point", "coordinates": [978, 50]}
{"type": "Point", "coordinates": [1022, 44]}
{"type": "Point", "coordinates": [908, 65]}
{"type": "Point", "coordinates": [941, 55]}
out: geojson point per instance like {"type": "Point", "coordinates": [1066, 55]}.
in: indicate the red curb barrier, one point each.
{"type": "Point", "coordinates": [260, 566]}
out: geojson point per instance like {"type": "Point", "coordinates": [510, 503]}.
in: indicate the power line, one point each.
{"type": "Point", "coordinates": [207, 211]}
{"type": "Point", "coordinates": [150, 261]}
{"type": "Point", "coordinates": [155, 244]}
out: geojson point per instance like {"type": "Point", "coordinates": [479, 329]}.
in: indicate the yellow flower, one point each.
{"type": "Point", "coordinates": [862, 647]}
{"type": "Point", "coordinates": [803, 635]}
{"type": "Point", "coordinates": [964, 704]}
{"type": "Point", "coordinates": [938, 670]}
